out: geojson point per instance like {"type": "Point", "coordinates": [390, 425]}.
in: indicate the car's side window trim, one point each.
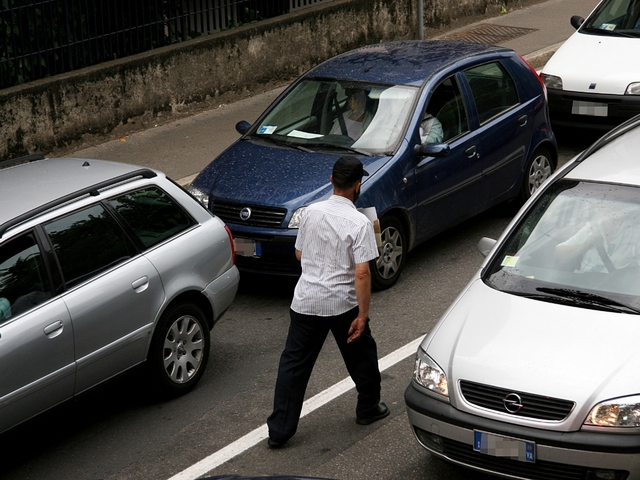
{"type": "Point", "coordinates": [506, 76]}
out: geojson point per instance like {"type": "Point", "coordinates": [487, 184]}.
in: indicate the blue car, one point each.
{"type": "Point", "coordinates": [446, 130]}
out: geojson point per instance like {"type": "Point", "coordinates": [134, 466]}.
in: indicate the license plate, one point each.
{"type": "Point", "coordinates": [501, 446]}
{"type": "Point", "coordinates": [248, 248]}
{"type": "Point", "coordinates": [590, 108]}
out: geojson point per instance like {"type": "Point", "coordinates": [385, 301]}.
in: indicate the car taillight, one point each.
{"type": "Point", "coordinates": [544, 87]}
{"type": "Point", "coordinates": [233, 245]}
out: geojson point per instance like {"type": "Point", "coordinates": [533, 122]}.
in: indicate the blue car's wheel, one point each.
{"type": "Point", "coordinates": [386, 269]}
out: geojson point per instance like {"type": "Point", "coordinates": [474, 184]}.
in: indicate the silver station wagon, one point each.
{"type": "Point", "coordinates": [103, 266]}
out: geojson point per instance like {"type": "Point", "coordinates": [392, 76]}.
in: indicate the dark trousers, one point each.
{"type": "Point", "coordinates": [307, 334]}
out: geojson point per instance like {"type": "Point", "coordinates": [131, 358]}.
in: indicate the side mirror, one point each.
{"type": "Point", "coordinates": [577, 21]}
{"type": "Point", "coordinates": [485, 245]}
{"type": "Point", "coordinates": [433, 150]}
{"type": "Point", "coordinates": [242, 127]}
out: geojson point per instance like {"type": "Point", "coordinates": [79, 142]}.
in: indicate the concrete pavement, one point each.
{"type": "Point", "coordinates": [183, 147]}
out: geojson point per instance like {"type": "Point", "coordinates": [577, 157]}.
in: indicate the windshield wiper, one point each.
{"type": "Point", "coordinates": [278, 141]}
{"type": "Point", "coordinates": [332, 146]}
{"type": "Point", "coordinates": [587, 298]}
{"type": "Point", "coordinates": [611, 33]}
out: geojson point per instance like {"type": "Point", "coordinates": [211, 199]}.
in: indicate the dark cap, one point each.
{"type": "Point", "coordinates": [348, 169]}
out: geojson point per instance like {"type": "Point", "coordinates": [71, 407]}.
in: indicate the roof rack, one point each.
{"type": "Point", "coordinates": [26, 159]}
{"type": "Point", "coordinates": [93, 190]}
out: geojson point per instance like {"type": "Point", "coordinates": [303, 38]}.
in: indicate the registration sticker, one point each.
{"type": "Point", "coordinates": [246, 247]}
{"type": "Point", "coordinates": [501, 446]}
{"type": "Point", "coordinates": [267, 129]}
{"type": "Point", "coordinates": [590, 108]}
{"type": "Point", "coordinates": [510, 261]}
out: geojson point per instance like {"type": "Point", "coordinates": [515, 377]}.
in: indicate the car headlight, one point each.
{"type": "Point", "coordinates": [296, 218]}
{"type": "Point", "coordinates": [619, 412]}
{"type": "Point", "coordinates": [551, 81]}
{"type": "Point", "coordinates": [199, 195]}
{"type": "Point", "coordinates": [429, 374]}
{"type": "Point", "coordinates": [633, 89]}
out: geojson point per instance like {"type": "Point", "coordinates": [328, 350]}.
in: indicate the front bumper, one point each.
{"type": "Point", "coordinates": [449, 434]}
{"type": "Point", "coordinates": [619, 109]}
{"type": "Point", "coordinates": [275, 254]}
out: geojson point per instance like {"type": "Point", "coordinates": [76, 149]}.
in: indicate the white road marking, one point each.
{"type": "Point", "coordinates": [261, 433]}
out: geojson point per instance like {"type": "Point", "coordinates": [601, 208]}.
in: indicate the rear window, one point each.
{"type": "Point", "coordinates": [152, 215]}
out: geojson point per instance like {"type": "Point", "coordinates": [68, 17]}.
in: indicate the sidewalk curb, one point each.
{"type": "Point", "coordinates": [539, 58]}
{"type": "Point", "coordinates": [536, 59]}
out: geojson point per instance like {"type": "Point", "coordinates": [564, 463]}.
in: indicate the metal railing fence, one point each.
{"type": "Point", "coordinates": [41, 38]}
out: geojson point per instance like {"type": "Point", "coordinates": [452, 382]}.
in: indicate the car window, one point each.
{"type": "Point", "coordinates": [330, 114]}
{"type": "Point", "coordinates": [493, 90]}
{"type": "Point", "coordinates": [86, 243]}
{"type": "Point", "coordinates": [615, 16]}
{"type": "Point", "coordinates": [24, 283]}
{"type": "Point", "coordinates": [580, 237]}
{"type": "Point", "coordinates": [152, 215]}
{"type": "Point", "coordinates": [445, 117]}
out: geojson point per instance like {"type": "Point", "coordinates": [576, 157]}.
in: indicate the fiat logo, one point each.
{"type": "Point", "coordinates": [512, 402]}
{"type": "Point", "coordinates": [245, 214]}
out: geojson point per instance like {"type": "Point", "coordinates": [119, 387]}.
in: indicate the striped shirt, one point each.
{"type": "Point", "coordinates": [333, 237]}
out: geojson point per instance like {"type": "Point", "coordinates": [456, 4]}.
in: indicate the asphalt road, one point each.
{"type": "Point", "coordinates": [119, 431]}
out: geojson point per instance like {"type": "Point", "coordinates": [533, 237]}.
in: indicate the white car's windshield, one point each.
{"type": "Point", "coordinates": [580, 243]}
{"type": "Point", "coordinates": [615, 17]}
{"type": "Point", "coordinates": [321, 113]}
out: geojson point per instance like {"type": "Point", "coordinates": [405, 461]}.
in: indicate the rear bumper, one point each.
{"type": "Point", "coordinates": [619, 109]}
{"type": "Point", "coordinates": [222, 291]}
{"type": "Point", "coordinates": [449, 434]}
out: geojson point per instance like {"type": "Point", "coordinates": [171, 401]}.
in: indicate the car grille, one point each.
{"type": "Point", "coordinates": [534, 406]}
{"type": "Point", "coordinates": [540, 470]}
{"type": "Point", "coordinates": [260, 216]}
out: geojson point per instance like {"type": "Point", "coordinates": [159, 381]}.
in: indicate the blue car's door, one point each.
{"type": "Point", "coordinates": [448, 187]}
{"type": "Point", "coordinates": [504, 127]}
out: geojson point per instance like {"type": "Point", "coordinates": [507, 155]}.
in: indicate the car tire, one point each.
{"type": "Point", "coordinates": [386, 269]}
{"type": "Point", "coordinates": [539, 168]}
{"type": "Point", "coordinates": [179, 349]}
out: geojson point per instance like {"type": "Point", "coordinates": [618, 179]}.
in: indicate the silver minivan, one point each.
{"type": "Point", "coordinates": [103, 266]}
{"type": "Point", "coordinates": [532, 372]}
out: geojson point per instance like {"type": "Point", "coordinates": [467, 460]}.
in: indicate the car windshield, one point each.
{"type": "Point", "coordinates": [329, 114]}
{"type": "Point", "coordinates": [615, 17]}
{"type": "Point", "coordinates": [579, 244]}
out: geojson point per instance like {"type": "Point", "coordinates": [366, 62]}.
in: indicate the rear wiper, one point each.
{"type": "Point", "coordinates": [589, 299]}
{"type": "Point", "coordinates": [278, 141]}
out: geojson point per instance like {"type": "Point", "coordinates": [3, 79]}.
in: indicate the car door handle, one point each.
{"type": "Point", "coordinates": [471, 152]}
{"type": "Point", "coordinates": [522, 121]}
{"type": "Point", "coordinates": [54, 329]}
{"type": "Point", "coordinates": [141, 284]}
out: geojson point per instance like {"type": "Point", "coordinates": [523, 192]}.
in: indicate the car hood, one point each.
{"type": "Point", "coordinates": [251, 173]}
{"type": "Point", "coordinates": [508, 341]}
{"type": "Point", "coordinates": [608, 62]}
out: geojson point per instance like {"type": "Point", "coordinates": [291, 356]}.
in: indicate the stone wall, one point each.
{"type": "Point", "coordinates": [59, 111]}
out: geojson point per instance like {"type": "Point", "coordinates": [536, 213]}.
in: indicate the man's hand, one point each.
{"type": "Point", "coordinates": [356, 329]}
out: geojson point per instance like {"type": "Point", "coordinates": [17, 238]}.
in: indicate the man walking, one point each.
{"type": "Point", "coordinates": [335, 244]}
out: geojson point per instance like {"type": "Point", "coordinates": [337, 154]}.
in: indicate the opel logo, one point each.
{"type": "Point", "coordinates": [512, 402]}
{"type": "Point", "coordinates": [245, 214]}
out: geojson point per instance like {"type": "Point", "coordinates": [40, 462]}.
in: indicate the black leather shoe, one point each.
{"type": "Point", "coordinates": [275, 443]}
{"type": "Point", "coordinates": [381, 411]}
